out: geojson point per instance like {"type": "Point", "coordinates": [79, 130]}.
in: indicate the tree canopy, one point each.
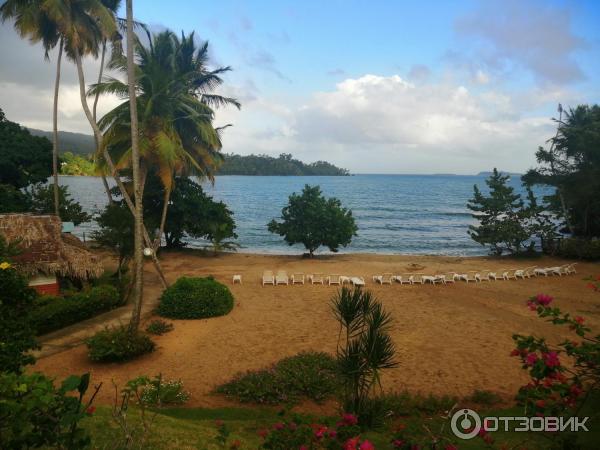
{"type": "Point", "coordinates": [313, 220]}
{"type": "Point", "coordinates": [285, 164]}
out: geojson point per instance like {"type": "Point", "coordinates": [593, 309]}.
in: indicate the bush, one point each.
{"type": "Point", "coordinates": [17, 336]}
{"type": "Point", "coordinates": [118, 344]}
{"type": "Point", "coordinates": [159, 392]}
{"type": "Point", "coordinates": [307, 375]}
{"type": "Point", "coordinates": [485, 398]}
{"type": "Point", "coordinates": [579, 248]}
{"type": "Point", "coordinates": [53, 313]}
{"type": "Point", "coordinates": [195, 298]}
{"type": "Point", "coordinates": [159, 327]}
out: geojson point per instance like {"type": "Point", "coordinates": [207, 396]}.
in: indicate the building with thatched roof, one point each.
{"type": "Point", "coordinates": [46, 252]}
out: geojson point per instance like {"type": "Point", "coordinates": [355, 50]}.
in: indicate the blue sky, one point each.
{"type": "Point", "coordinates": [379, 86]}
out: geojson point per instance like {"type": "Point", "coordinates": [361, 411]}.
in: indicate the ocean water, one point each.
{"type": "Point", "coordinates": [409, 214]}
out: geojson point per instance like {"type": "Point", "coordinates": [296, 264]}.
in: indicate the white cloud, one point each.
{"type": "Point", "coordinates": [386, 124]}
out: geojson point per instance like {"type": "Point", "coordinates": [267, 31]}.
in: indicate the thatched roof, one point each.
{"type": "Point", "coordinates": [45, 249]}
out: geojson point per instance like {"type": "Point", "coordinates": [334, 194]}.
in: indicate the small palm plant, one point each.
{"type": "Point", "coordinates": [364, 347]}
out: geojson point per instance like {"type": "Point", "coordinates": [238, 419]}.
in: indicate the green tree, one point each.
{"type": "Point", "coordinates": [572, 166]}
{"type": "Point", "coordinates": [17, 336]}
{"type": "Point", "coordinates": [501, 216]}
{"type": "Point", "coordinates": [24, 159]}
{"type": "Point", "coordinates": [41, 202]}
{"type": "Point", "coordinates": [116, 232]}
{"type": "Point", "coordinates": [313, 220]}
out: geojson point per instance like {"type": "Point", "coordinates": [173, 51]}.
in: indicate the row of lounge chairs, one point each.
{"type": "Point", "coordinates": [476, 275]}
{"type": "Point", "coordinates": [281, 277]}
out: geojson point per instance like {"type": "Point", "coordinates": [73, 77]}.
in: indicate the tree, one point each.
{"type": "Point", "coordinates": [173, 94]}
{"type": "Point", "coordinates": [24, 159]}
{"type": "Point", "coordinates": [41, 202]}
{"type": "Point", "coordinates": [17, 336]}
{"type": "Point", "coordinates": [116, 232]}
{"type": "Point", "coordinates": [501, 216]}
{"type": "Point", "coordinates": [32, 20]}
{"type": "Point", "coordinates": [313, 220]}
{"type": "Point", "coordinates": [572, 166]}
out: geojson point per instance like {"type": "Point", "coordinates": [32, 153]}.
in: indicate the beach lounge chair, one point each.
{"type": "Point", "coordinates": [357, 281]}
{"type": "Point", "coordinates": [298, 278]}
{"type": "Point", "coordinates": [547, 271]}
{"type": "Point", "coordinates": [449, 277]}
{"type": "Point", "coordinates": [417, 278]}
{"type": "Point", "coordinates": [268, 278]}
{"type": "Point", "coordinates": [485, 275]}
{"type": "Point", "coordinates": [570, 269]}
{"type": "Point", "coordinates": [471, 275]}
{"type": "Point", "coordinates": [406, 278]}
{"type": "Point", "coordinates": [317, 278]}
{"type": "Point", "coordinates": [561, 270]}
{"type": "Point", "coordinates": [497, 275]}
{"type": "Point", "coordinates": [282, 277]}
{"type": "Point", "coordinates": [386, 278]}
{"type": "Point", "coordinates": [510, 274]}
{"type": "Point", "coordinates": [334, 279]}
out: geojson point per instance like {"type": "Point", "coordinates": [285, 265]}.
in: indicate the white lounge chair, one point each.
{"type": "Point", "coordinates": [485, 275]}
{"type": "Point", "coordinates": [298, 278]}
{"type": "Point", "coordinates": [268, 278]}
{"type": "Point", "coordinates": [417, 278]}
{"type": "Point", "coordinates": [449, 277]}
{"type": "Point", "coordinates": [510, 274]}
{"type": "Point", "coordinates": [357, 281]}
{"type": "Point", "coordinates": [282, 277]}
{"type": "Point", "coordinates": [570, 269]}
{"type": "Point", "coordinates": [386, 278]}
{"type": "Point", "coordinates": [406, 278]}
{"type": "Point", "coordinates": [497, 275]}
{"type": "Point", "coordinates": [471, 275]}
{"type": "Point", "coordinates": [547, 270]}
{"type": "Point", "coordinates": [565, 269]}
{"type": "Point", "coordinates": [317, 278]}
{"type": "Point", "coordinates": [334, 279]}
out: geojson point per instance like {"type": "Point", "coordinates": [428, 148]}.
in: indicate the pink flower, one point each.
{"type": "Point", "coordinates": [515, 352]}
{"type": "Point", "coordinates": [320, 431]}
{"type": "Point", "coordinates": [532, 305]}
{"type": "Point", "coordinates": [398, 443]}
{"type": "Point", "coordinates": [543, 299]}
{"type": "Point", "coordinates": [576, 391]}
{"type": "Point", "coordinates": [551, 359]}
{"type": "Point", "coordinates": [531, 359]}
{"type": "Point", "coordinates": [450, 447]}
{"type": "Point", "coordinates": [303, 447]}
{"type": "Point", "coordinates": [279, 426]}
{"type": "Point", "coordinates": [349, 419]}
{"type": "Point", "coordinates": [332, 434]}
{"type": "Point", "coordinates": [351, 444]}
{"type": "Point", "coordinates": [366, 445]}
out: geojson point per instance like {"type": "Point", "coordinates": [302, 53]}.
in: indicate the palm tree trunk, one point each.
{"type": "Point", "coordinates": [94, 108]}
{"type": "Point", "coordinates": [111, 165]}
{"type": "Point", "coordinates": [137, 187]}
{"type": "Point", "coordinates": [55, 131]}
{"type": "Point", "coordinates": [163, 217]}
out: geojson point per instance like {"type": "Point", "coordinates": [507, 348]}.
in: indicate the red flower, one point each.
{"type": "Point", "coordinates": [398, 443]}
{"type": "Point", "coordinates": [515, 352]}
{"type": "Point", "coordinates": [579, 320]}
{"type": "Point", "coordinates": [262, 433]}
{"type": "Point", "coordinates": [366, 445]}
{"type": "Point", "coordinates": [279, 426]}
{"type": "Point", "coordinates": [320, 431]}
{"type": "Point", "coordinates": [450, 447]}
{"type": "Point", "coordinates": [551, 359]}
{"type": "Point", "coordinates": [351, 444]}
{"type": "Point", "coordinates": [531, 359]}
{"type": "Point", "coordinates": [540, 404]}
{"type": "Point", "coordinates": [543, 299]}
{"type": "Point", "coordinates": [349, 419]}
{"type": "Point", "coordinates": [576, 391]}
{"type": "Point", "coordinates": [91, 409]}
{"type": "Point", "coordinates": [332, 434]}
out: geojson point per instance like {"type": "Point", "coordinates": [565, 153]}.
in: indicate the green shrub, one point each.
{"type": "Point", "coordinates": [579, 248]}
{"type": "Point", "coordinates": [53, 313]}
{"type": "Point", "coordinates": [159, 327]}
{"type": "Point", "coordinates": [308, 375]}
{"type": "Point", "coordinates": [118, 344]}
{"type": "Point", "coordinates": [160, 392]}
{"type": "Point", "coordinates": [195, 298]}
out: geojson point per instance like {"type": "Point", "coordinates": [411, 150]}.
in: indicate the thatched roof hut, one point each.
{"type": "Point", "coordinates": [46, 250]}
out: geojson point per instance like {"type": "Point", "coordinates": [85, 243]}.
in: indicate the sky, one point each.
{"type": "Point", "coordinates": [372, 86]}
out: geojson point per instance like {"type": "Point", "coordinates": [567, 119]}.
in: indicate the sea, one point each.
{"type": "Point", "coordinates": [395, 214]}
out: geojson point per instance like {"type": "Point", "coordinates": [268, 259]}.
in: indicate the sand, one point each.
{"type": "Point", "coordinates": [450, 339]}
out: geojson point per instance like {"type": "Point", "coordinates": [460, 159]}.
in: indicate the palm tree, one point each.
{"type": "Point", "coordinates": [135, 166]}
{"type": "Point", "coordinates": [32, 21]}
{"type": "Point", "coordinates": [174, 98]}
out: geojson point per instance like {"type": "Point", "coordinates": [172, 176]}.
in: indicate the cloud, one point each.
{"type": "Point", "coordinates": [419, 72]}
{"type": "Point", "coordinates": [388, 124]}
{"type": "Point", "coordinates": [532, 35]}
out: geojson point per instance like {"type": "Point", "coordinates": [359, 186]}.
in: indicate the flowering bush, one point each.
{"type": "Point", "coordinates": [159, 392]}
{"type": "Point", "coordinates": [560, 374]}
{"type": "Point", "coordinates": [299, 434]}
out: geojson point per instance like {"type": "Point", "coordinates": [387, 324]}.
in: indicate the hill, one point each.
{"type": "Point", "coordinates": [285, 164]}
{"type": "Point", "coordinates": [76, 143]}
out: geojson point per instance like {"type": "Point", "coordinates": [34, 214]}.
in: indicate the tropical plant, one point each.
{"type": "Point", "coordinates": [69, 211]}
{"type": "Point", "coordinates": [364, 346]}
{"type": "Point", "coordinates": [118, 344]}
{"type": "Point", "coordinates": [17, 335]}
{"type": "Point", "coordinates": [116, 232]}
{"type": "Point", "coordinates": [173, 95]}
{"type": "Point", "coordinates": [161, 392]}
{"type": "Point", "coordinates": [313, 220]}
{"type": "Point", "coordinates": [159, 327]}
{"type": "Point", "coordinates": [195, 298]}
{"type": "Point", "coordinates": [501, 216]}
{"type": "Point", "coordinates": [572, 166]}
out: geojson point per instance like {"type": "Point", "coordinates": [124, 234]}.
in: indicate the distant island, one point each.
{"type": "Point", "coordinates": [76, 150]}
{"type": "Point", "coordinates": [487, 174]}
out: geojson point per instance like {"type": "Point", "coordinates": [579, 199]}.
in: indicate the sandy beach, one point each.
{"type": "Point", "coordinates": [450, 339]}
